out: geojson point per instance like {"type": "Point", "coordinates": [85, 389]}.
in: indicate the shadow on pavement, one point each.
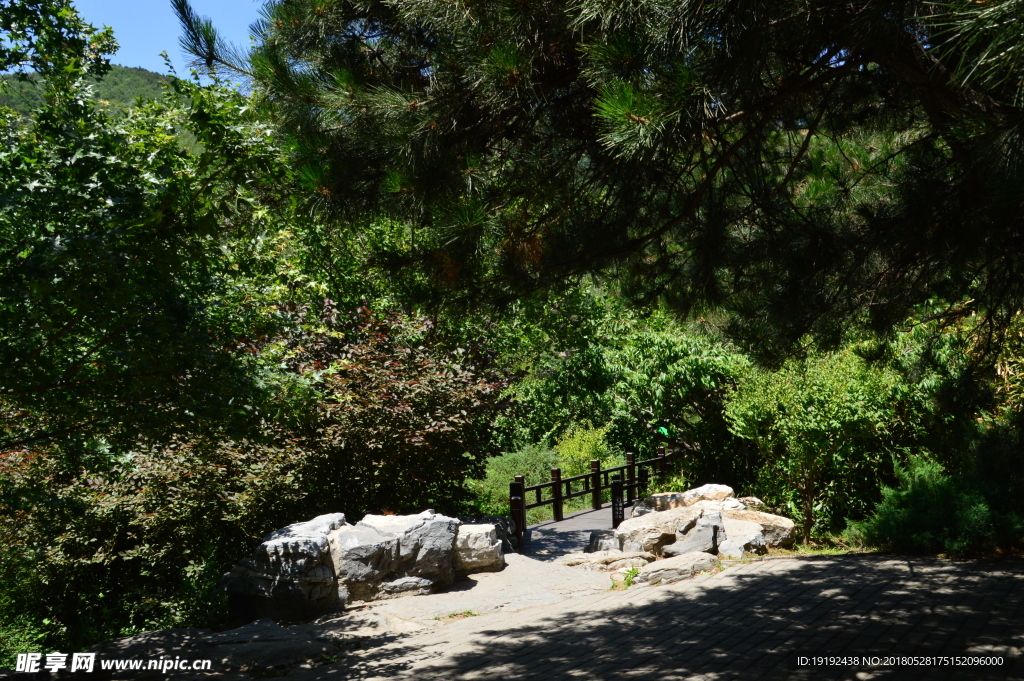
{"type": "Point", "coordinates": [749, 625]}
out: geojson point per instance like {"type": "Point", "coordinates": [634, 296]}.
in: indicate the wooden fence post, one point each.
{"type": "Point", "coordinates": [556, 496]}
{"type": "Point", "coordinates": [595, 490]}
{"type": "Point", "coordinates": [630, 477]}
{"type": "Point", "coordinates": [643, 477]}
{"type": "Point", "coordinates": [618, 505]}
{"type": "Point", "coordinates": [517, 502]}
{"type": "Point", "coordinates": [662, 468]}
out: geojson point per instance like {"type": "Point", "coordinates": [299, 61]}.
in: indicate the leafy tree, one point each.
{"type": "Point", "coordinates": [807, 164]}
{"type": "Point", "coordinates": [392, 422]}
{"type": "Point", "coordinates": [823, 429]}
{"type": "Point", "coordinates": [587, 358]}
{"type": "Point", "coordinates": [48, 37]}
{"type": "Point", "coordinates": [111, 261]}
{"type": "Point", "coordinates": [491, 491]}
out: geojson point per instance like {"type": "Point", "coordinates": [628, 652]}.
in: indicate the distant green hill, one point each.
{"type": "Point", "coordinates": [116, 91]}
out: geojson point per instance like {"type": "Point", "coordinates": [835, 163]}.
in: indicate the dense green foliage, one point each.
{"type": "Point", "coordinates": [115, 91]}
{"type": "Point", "coordinates": [822, 428]}
{"type": "Point", "coordinates": [932, 512]}
{"type": "Point", "coordinates": [438, 246]}
{"type": "Point", "coordinates": [364, 417]}
{"type": "Point", "coordinates": [807, 165]}
{"type": "Point", "coordinates": [112, 267]}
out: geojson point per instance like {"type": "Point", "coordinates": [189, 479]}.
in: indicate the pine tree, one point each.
{"type": "Point", "coordinates": [807, 164]}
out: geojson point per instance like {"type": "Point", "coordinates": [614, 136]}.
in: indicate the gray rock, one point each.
{"type": "Point", "coordinates": [289, 576]}
{"type": "Point", "coordinates": [704, 536]}
{"type": "Point", "coordinates": [478, 549]}
{"type": "Point", "coordinates": [653, 531]}
{"type": "Point", "coordinates": [249, 578]}
{"type": "Point", "coordinates": [676, 568]}
{"type": "Point", "coordinates": [314, 567]}
{"type": "Point", "coordinates": [602, 540]}
{"type": "Point", "coordinates": [299, 547]}
{"type": "Point", "coordinates": [606, 561]}
{"type": "Point", "coordinates": [405, 586]}
{"type": "Point", "coordinates": [752, 502]}
{"type": "Point", "coordinates": [730, 549]}
{"type": "Point", "coordinates": [426, 543]}
{"type": "Point", "coordinates": [504, 526]}
{"type": "Point", "coordinates": [655, 503]}
{"type": "Point", "coordinates": [778, 532]}
{"type": "Point", "coordinates": [745, 534]}
{"type": "Point", "coordinates": [362, 558]}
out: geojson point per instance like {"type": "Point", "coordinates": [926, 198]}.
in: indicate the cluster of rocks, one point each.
{"type": "Point", "coordinates": [674, 535]}
{"type": "Point", "coordinates": [322, 564]}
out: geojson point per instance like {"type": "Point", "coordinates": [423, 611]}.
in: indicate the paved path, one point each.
{"type": "Point", "coordinates": [749, 621]}
{"type": "Point", "coordinates": [550, 539]}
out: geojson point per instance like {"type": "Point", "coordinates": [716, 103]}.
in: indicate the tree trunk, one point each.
{"type": "Point", "coordinates": [808, 494]}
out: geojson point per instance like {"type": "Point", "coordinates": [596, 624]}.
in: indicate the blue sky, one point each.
{"type": "Point", "coordinates": [144, 28]}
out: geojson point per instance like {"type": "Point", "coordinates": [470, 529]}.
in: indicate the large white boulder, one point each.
{"type": "Point", "coordinates": [706, 493]}
{"type": "Point", "coordinates": [778, 532]}
{"type": "Point", "coordinates": [652, 531]}
{"type": "Point", "coordinates": [425, 549]}
{"type": "Point", "coordinates": [478, 549]}
{"type": "Point", "coordinates": [678, 567]}
{"type": "Point", "coordinates": [290, 573]}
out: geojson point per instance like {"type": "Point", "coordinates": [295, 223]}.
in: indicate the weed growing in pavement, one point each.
{"type": "Point", "coordinates": [629, 575]}
{"type": "Point", "coordinates": [457, 615]}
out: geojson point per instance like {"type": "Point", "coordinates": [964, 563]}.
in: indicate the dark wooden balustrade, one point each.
{"type": "Point", "coordinates": [558, 490]}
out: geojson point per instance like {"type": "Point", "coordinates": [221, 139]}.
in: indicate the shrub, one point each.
{"type": "Point", "coordinates": [572, 453]}
{"type": "Point", "coordinates": [391, 422]}
{"type": "Point", "coordinates": [131, 542]}
{"type": "Point", "coordinates": [932, 512]}
{"type": "Point", "coordinates": [532, 461]}
{"type": "Point", "coordinates": [583, 444]}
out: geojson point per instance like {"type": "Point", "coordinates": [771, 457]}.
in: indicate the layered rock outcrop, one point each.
{"type": "Point", "coordinates": [606, 561]}
{"type": "Point", "coordinates": [763, 531]}
{"type": "Point", "coordinates": [676, 568]}
{"type": "Point", "coordinates": [705, 521]}
{"type": "Point", "coordinates": [317, 566]}
{"type": "Point", "coordinates": [290, 574]}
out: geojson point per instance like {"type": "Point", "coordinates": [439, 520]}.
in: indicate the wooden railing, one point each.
{"type": "Point", "coordinates": [638, 474]}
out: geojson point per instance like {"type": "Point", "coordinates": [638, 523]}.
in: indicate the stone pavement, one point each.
{"type": "Point", "coordinates": [550, 539]}
{"type": "Point", "coordinates": [749, 621]}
